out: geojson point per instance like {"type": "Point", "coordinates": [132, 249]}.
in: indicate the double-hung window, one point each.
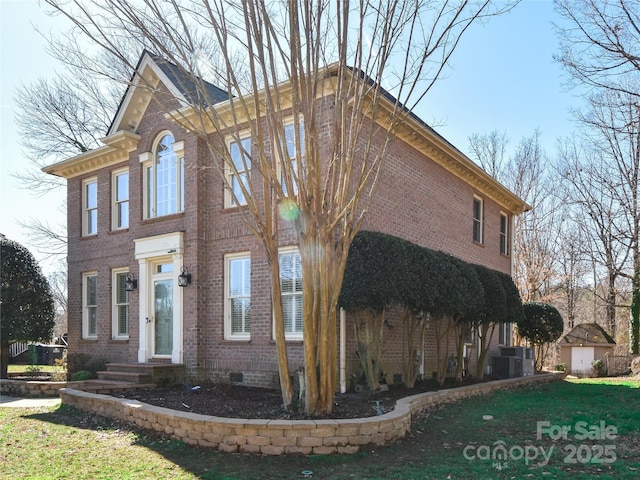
{"type": "Point", "coordinates": [90, 305]}
{"type": "Point", "coordinates": [120, 309]}
{"type": "Point", "coordinates": [291, 286]}
{"type": "Point", "coordinates": [164, 178]}
{"type": "Point", "coordinates": [504, 234]}
{"type": "Point", "coordinates": [120, 199]}
{"type": "Point", "coordinates": [238, 172]}
{"type": "Point", "coordinates": [477, 219]}
{"type": "Point", "coordinates": [294, 157]}
{"type": "Point", "coordinates": [90, 207]}
{"type": "Point", "coordinates": [238, 296]}
{"type": "Point", "coordinates": [504, 334]}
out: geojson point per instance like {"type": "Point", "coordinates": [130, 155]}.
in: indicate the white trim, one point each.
{"type": "Point", "coordinates": [85, 208]}
{"type": "Point", "coordinates": [300, 160]}
{"type": "Point", "coordinates": [480, 220]}
{"type": "Point", "coordinates": [131, 111]}
{"type": "Point", "coordinates": [229, 201]}
{"type": "Point", "coordinates": [149, 251]}
{"type": "Point", "coordinates": [149, 161]}
{"type": "Point", "coordinates": [290, 336]}
{"type": "Point", "coordinates": [85, 313]}
{"type": "Point", "coordinates": [228, 331]}
{"type": "Point", "coordinates": [114, 198]}
{"type": "Point", "coordinates": [115, 334]}
{"type": "Point", "coordinates": [507, 233]}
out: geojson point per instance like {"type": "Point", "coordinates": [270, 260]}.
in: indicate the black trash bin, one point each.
{"type": "Point", "coordinates": [41, 354]}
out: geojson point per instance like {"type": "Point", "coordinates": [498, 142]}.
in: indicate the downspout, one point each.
{"type": "Point", "coordinates": [343, 351]}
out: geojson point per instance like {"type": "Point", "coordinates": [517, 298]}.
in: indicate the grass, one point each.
{"type": "Point", "coordinates": [448, 442]}
{"type": "Point", "coordinates": [38, 368]}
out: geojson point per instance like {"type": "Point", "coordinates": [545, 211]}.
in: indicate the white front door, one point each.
{"type": "Point", "coordinates": [581, 358]}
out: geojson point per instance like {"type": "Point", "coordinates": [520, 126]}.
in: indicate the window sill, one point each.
{"type": "Point", "coordinates": [290, 341]}
{"type": "Point", "coordinates": [119, 340]}
{"type": "Point", "coordinates": [233, 208]}
{"type": "Point", "coordinates": [145, 221]}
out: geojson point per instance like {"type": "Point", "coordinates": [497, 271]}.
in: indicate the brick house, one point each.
{"type": "Point", "coordinates": [144, 209]}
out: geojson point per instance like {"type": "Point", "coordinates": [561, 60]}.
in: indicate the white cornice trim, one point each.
{"type": "Point", "coordinates": [116, 150]}
{"type": "Point", "coordinates": [412, 131]}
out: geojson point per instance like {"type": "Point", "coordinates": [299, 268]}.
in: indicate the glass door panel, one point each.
{"type": "Point", "coordinates": [163, 310]}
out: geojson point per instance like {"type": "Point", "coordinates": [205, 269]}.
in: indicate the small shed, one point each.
{"type": "Point", "coordinates": [584, 344]}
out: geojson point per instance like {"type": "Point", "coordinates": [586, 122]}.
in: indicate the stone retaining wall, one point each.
{"type": "Point", "coordinates": [33, 388]}
{"type": "Point", "coordinates": [277, 437]}
{"type": "Point", "coordinates": [36, 389]}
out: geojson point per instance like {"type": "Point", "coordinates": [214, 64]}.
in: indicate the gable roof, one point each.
{"type": "Point", "coordinates": [149, 72]}
{"type": "Point", "coordinates": [587, 333]}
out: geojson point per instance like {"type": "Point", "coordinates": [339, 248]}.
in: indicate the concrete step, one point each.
{"type": "Point", "coordinates": [158, 373]}
{"type": "Point", "coordinates": [131, 377]}
{"type": "Point", "coordinates": [110, 386]}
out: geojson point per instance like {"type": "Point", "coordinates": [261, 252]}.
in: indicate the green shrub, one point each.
{"type": "Point", "coordinates": [598, 368]}
{"type": "Point", "coordinates": [561, 367]}
{"type": "Point", "coordinates": [76, 362]}
{"type": "Point", "coordinates": [81, 375]}
{"type": "Point", "coordinates": [95, 365]}
{"type": "Point", "coordinates": [79, 362]}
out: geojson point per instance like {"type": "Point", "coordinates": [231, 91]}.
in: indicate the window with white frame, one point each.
{"type": "Point", "coordinates": [294, 157]}
{"type": "Point", "coordinates": [504, 234]}
{"type": "Point", "coordinates": [238, 175]}
{"type": "Point", "coordinates": [291, 287]}
{"type": "Point", "coordinates": [477, 219]}
{"type": "Point", "coordinates": [120, 199]}
{"type": "Point", "coordinates": [120, 310]}
{"type": "Point", "coordinates": [90, 305]}
{"type": "Point", "coordinates": [164, 177]}
{"type": "Point", "coordinates": [504, 334]}
{"type": "Point", "coordinates": [237, 296]}
{"type": "Point", "coordinates": [90, 207]}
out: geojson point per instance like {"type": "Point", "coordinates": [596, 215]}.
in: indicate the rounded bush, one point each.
{"type": "Point", "coordinates": [81, 375]}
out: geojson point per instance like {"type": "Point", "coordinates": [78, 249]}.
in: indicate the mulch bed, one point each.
{"type": "Point", "coordinates": [235, 401]}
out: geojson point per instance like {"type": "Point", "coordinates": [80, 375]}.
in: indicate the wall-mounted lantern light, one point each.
{"type": "Point", "coordinates": [130, 284]}
{"type": "Point", "coordinates": [184, 278]}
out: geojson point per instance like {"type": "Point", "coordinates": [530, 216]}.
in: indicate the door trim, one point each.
{"type": "Point", "coordinates": [168, 248]}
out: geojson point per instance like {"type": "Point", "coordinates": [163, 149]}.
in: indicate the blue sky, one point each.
{"type": "Point", "coordinates": [502, 77]}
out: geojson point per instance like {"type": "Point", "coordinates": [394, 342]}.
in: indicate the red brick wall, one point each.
{"type": "Point", "coordinates": [415, 199]}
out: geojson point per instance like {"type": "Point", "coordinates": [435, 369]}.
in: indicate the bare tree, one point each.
{"type": "Point", "coordinates": [599, 214]}
{"type": "Point", "coordinates": [573, 265]}
{"type": "Point", "coordinates": [606, 175]}
{"type": "Point", "coordinates": [297, 55]}
{"type": "Point", "coordinates": [490, 152]}
{"type": "Point", "coordinates": [600, 44]}
{"type": "Point", "coordinates": [600, 49]}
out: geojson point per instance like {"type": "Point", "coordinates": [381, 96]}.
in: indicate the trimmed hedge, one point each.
{"type": "Point", "coordinates": [385, 270]}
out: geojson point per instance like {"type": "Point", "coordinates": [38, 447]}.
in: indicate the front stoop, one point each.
{"type": "Point", "coordinates": [143, 373]}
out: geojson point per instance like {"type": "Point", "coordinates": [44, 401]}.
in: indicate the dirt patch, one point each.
{"type": "Point", "coordinates": [234, 401]}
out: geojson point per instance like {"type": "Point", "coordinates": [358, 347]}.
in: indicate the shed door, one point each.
{"type": "Point", "coordinates": [581, 358]}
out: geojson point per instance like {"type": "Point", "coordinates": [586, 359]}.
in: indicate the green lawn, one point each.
{"type": "Point", "coordinates": [571, 429]}
{"type": "Point", "coordinates": [27, 368]}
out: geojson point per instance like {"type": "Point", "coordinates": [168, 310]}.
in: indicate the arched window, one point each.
{"type": "Point", "coordinates": [164, 177]}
